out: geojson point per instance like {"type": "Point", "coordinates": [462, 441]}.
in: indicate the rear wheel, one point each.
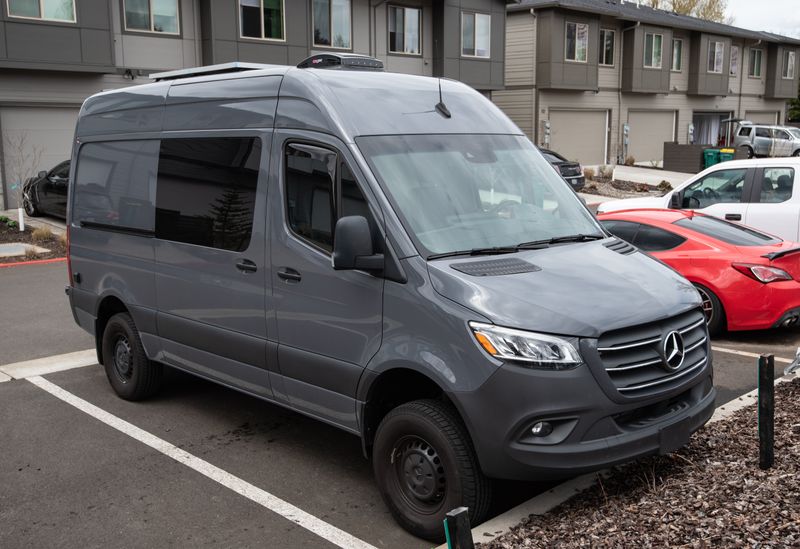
{"type": "Point", "coordinates": [425, 466]}
{"type": "Point", "coordinates": [131, 374]}
{"type": "Point", "coordinates": [796, 153]}
{"type": "Point", "coordinates": [712, 308]}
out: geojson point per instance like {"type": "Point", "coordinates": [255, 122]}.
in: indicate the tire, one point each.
{"type": "Point", "coordinates": [712, 308]}
{"type": "Point", "coordinates": [750, 152]}
{"type": "Point", "coordinates": [131, 374]}
{"type": "Point", "coordinates": [796, 153]}
{"type": "Point", "coordinates": [29, 203]}
{"type": "Point", "coordinates": [425, 466]}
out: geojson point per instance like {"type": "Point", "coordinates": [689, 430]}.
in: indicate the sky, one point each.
{"type": "Point", "coordinates": [778, 16]}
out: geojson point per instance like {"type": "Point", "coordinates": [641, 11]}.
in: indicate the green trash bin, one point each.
{"type": "Point", "coordinates": [726, 154]}
{"type": "Point", "coordinates": [710, 157]}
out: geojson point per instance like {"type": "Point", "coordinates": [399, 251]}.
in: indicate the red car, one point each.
{"type": "Point", "coordinates": [748, 280]}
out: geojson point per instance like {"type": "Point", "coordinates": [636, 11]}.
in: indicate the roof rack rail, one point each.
{"type": "Point", "coordinates": [342, 61]}
{"type": "Point", "coordinates": [222, 68]}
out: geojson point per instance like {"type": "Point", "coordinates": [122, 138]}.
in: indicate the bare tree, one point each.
{"type": "Point", "coordinates": [22, 161]}
{"type": "Point", "coordinates": [711, 10]}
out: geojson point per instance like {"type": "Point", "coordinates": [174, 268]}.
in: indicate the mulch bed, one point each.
{"type": "Point", "coordinates": [709, 494]}
{"type": "Point", "coordinates": [10, 235]}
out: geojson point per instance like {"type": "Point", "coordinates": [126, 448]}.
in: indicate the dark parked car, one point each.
{"type": "Point", "coordinates": [47, 192]}
{"type": "Point", "coordinates": [570, 171]}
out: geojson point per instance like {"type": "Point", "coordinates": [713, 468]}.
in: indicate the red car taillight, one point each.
{"type": "Point", "coordinates": [762, 273]}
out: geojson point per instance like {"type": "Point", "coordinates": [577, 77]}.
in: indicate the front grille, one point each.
{"type": "Point", "coordinates": [634, 357]}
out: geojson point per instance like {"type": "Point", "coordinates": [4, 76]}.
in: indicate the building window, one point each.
{"type": "Point", "coordinates": [404, 30]}
{"type": "Point", "coordinates": [788, 65]}
{"type": "Point", "coordinates": [206, 191]}
{"type": "Point", "coordinates": [716, 56]}
{"type": "Point", "coordinates": [152, 16]}
{"type": "Point", "coordinates": [607, 47]}
{"type": "Point", "coordinates": [262, 19]}
{"type": "Point", "coordinates": [677, 55]}
{"type": "Point", "coordinates": [734, 69]}
{"type": "Point", "coordinates": [476, 35]}
{"type": "Point", "coordinates": [653, 50]}
{"type": "Point", "coordinates": [332, 23]}
{"type": "Point", "coordinates": [577, 42]}
{"type": "Point", "coordinates": [754, 68]}
{"type": "Point", "coordinates": [47, 10]}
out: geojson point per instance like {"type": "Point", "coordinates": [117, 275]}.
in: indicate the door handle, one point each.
{"type": "Point", "coordinates": [288, 274]}
{"type": "Point", "coordinates": [733, 217]}
{"type": "Point", "coordinates": [246, 266]}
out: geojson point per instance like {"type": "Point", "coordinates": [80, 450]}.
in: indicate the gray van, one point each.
{"type": "Point", "coordinates": [388, 254]}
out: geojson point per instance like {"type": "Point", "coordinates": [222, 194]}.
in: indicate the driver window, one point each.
{"type": "Point", "coordinates": [721, 187]}
{"type": "Point", "coordinates": [780, 134]}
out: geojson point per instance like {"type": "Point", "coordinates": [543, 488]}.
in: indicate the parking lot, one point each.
{"type": "Point", "coordinates": [199, 464]}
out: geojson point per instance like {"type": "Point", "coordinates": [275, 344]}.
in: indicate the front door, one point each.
{"type": "Point", "coordinates": [723, 193]}
{"type": "Point", "coordinates": [329, 323]}
{"type": "Point", "coordinates": [211, 267]}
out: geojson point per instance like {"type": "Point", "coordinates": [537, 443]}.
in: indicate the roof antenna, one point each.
{"type": "Point", "coordinates": [441, 108]}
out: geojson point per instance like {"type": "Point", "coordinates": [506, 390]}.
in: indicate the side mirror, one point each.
{"type": "Point", "coordinates": [676, 201]}
{"type": "Point", "coordinates": [352, 246]}
{"type": "Point", "coordinates": [41, 174]}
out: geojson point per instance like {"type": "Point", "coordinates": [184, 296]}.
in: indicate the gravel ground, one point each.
{"type": "Point", "coordinates": [709, 494]}
{"type": "Point", "coordinates": [620, 189]}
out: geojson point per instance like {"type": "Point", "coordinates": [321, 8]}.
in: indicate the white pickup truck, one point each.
{"type": "Point", "coordinates": [763, 193]}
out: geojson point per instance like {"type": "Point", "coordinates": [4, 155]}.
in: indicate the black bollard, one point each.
{"type": "Point", "coordinates": [766, 411]}
{"type": "Point", "coordinates": [457, 530]}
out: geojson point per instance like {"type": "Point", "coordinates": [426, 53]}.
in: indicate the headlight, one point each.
{"type": "Point", "coordinates": [527, 348]}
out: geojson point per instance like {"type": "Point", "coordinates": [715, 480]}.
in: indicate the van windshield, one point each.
{"type": "Point", "coordinates": [473, 192]}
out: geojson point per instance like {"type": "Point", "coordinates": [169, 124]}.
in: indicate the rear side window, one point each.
{"type": "Point", "coordinates": [762, 132]}
{"type": "Point", "coordinates": [745, 131]}
{"type": "Point", "coordinates": [776, 185]}
{"type": "Point", "coordinates": [653, 239]}
{"type": "Point", "coordinates": [207, 191]}
{"type": "Point", "coordinates": [731, 233]}
{"type": "Point", "coordinates": [115, 184]}
{"type": "Point", "coordinates": [625, 230]}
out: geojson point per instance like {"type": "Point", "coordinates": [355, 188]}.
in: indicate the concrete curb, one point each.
{"type": "Point", "coordinates": [34, 262]}
{"type": "Point", "coordinates": [547, 501]}
{"type": "Point", "coordinates": [48, 365]}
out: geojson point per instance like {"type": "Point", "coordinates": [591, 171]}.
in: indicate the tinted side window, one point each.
{"type": "Point", "coordinates": [310, 178]}
{"type": "Point", "coordinates": [720, 187]}
{"type": "Point", "coordinates": [625, 230]}
{"type": "Point", "coordinates": [776, 185]}
{"type": "Point", "coordinates": [207, 191]}
{"type": "Point", "coordinates": [115, 184]}
{"type": "Point", "coordinates": [745, 131]}
{"type": "Point", "coordinates": [731, 233]}
{"type": "Point", "coordinates": [653, 239]}
{"type": "Point", "coordinates": [352, 200]}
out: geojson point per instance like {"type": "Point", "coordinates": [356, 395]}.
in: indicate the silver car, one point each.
{"type": "Point", "coordinates": [765, 140]}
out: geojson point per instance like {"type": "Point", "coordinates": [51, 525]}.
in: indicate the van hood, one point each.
{"type": "Point", "coordinates": [579, 289]}
{"type": "Point", "coordinates": [634, 204]}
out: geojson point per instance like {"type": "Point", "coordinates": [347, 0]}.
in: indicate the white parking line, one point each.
{"type": "Point", "coordinates": [49, 364]}
{"type": "Point", "coordinates": [253, 493]}
{"type": "Point", "coordinates": [745, 353]}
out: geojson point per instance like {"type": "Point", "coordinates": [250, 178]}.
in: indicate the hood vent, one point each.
{"type": "Point", "coordinates": [620, 246]}
{"type": "Point", "coordinates": [496, 267]}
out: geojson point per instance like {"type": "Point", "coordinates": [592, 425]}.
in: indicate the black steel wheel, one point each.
{"type": "Point", "coordinates": [712, 309]}
{"type": "Point", "coordinates": [425, 466]}
{"type": "Point", "coordinates": [131, 374]}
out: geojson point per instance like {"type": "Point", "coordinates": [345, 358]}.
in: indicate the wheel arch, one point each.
{"type": "Point", "coordinates": [107, 306]}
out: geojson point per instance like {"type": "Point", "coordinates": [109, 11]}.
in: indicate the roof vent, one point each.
{"type": "Point", "coordinates": [208, 70]}
{"type": "Point", "coordinates": [342, 61]}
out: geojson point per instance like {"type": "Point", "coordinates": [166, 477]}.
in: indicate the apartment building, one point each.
{"type": "Point", "coordinates": [599, 81]}
{"type": "Point", "coordinates": [55, 53]}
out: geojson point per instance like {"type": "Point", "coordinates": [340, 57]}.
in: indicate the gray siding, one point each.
{"type": "Point", "coordinates": [636, 78]}
{"type": "Point", "coordinates": [778, 87]}
{"type": "Point", "coordinates": [552, 69]}
{"type": "Point", "coordinates": [520, 49]}
{"type": "Point", "coordinates": [86, 45]}
{"type": "Point", "coordinates": [701, 80]}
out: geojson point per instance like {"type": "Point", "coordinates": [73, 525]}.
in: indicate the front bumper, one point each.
{"type": "Point", "coordinates": [595, 431]}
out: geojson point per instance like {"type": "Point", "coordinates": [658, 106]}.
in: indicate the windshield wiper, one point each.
{"type": "Point", "coordinates": [559, 240]}
{"type": "Point", "coordinates": [477, 251]}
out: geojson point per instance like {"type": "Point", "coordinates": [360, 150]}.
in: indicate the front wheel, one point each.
{"type": "Point", "coordinates": [131, 374]}
{"type": "Point", "coordinates": [750, 152]}
{"type": "Point", "coordinates": [425, 466]}
{"type": "Point", "coordinates": [712, 308]}
{"type": "Point", "coordinates": [29, 203]}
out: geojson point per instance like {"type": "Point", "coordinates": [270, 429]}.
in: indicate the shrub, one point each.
{"type": "Point", "coordinates": [12, 224]}
{"type": "Point", "coordinates": [588, 173]}
{"type": "Point", "coordinates": [62, 239]}
{"type": "Point", "coordinates": [630, 161]}
{"type": "Point", "coordinates": [42, 234]}
{"type": "Point", "coordinates": [664, 186]}
{"type": "Point", "coordinates": [30, 253]}
{"type": "Point", "coordinates": [606, 172]}
{"type": "Point", "coordinates": [3, 219]}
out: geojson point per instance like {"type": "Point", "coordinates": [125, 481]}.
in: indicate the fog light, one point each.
{"type": "Point", "coordinates": [541, 429]}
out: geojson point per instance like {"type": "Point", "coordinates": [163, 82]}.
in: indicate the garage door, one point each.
{"type": "Point", "coordinates": [647, 134]}
{"type": "Point", "coordinates": [762, 117]}
{"type": "Point", "coordinates": [46, 136]}
{"type": "Point", "coordinates": [579, 135]}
